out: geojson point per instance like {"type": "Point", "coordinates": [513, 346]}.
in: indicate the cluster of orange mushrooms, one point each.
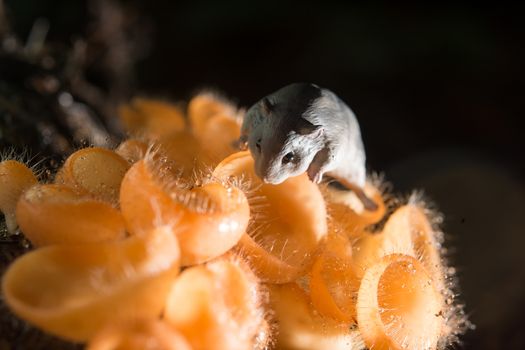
{"type": "Point", "coordinates": [170, 241]}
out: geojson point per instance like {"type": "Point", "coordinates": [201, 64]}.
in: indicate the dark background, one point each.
{"type": "Point", "coordinates": [438, 91]}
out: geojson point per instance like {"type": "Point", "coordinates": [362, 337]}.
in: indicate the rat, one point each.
{"type": "Point", "coordinates": [304, 128]}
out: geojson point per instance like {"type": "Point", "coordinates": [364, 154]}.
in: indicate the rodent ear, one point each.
{"type": "Point", "coordinates": [267, 106]}
{"type": "Point", "coordinates": [304, 127]}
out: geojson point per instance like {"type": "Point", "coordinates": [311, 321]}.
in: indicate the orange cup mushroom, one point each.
{"type": "Point", "coordinates": [117, 225]}
{"type": "Point", "coordinates": [398, 306]}
{"type": "Point", "coordinates": [219, 137]}
{"type": "Point", "coordinates": [288, 221]}
{"type": "Point", "coordinates": [186, 156]}
{"type": "Point", "coordinates": [301, 327]}
{"type": "Point", "coordinates": [73, 291]}
{"type": "Point", "coordinates": [15, 179]}
{"type": "Point", "coordinates": [207, 220]}
{"type": "Point", "coordinates": [132, 150]}
{"type": "Point", "coordinates": [139, 335]}
{"type": "Point", "coordinates": [396, 237]}
{"type": "Point", "coordinates": [333, 280]}
{"type": "Point", "coordinates": [57, 214]}
{"type": "Point", "coordinates": [96, 171]}
{"type": "Point", "coordinates": [426, 243]}
{"type": "Point", "coordinates": [216, 124]}
{"type": "Point", "coordinates": [151, 118]}
{"type": "Point", "coordinates": [218, 306]}
{"type": "Point", "coordinates": [202, 108]}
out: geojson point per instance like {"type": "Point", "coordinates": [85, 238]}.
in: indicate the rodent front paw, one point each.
{"type": "Point", "coordinates": [241, 144]}
{"type": "Point", "coordinates": [315, 176]}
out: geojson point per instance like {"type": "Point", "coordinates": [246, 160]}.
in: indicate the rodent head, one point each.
{"type": "Point", "coordinates": [282, 142]}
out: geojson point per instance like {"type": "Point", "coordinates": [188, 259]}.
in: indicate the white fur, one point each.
{"type": "Point", "coordinates": [338, 139]}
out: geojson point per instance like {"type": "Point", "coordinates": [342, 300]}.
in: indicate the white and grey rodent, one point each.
{"type": "Point", "coordinates": [304, 128]}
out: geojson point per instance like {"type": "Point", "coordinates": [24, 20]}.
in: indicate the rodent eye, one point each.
{"type": "Point", "coordinates": [258, 145]}
{"type": "Point", "coordinates": [288, 157]}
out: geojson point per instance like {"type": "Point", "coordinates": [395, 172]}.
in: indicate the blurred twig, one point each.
{"type": "Point", "coordinates": [4, 25]}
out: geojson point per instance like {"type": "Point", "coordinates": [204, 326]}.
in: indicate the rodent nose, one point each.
{"type": "Point", "coordinates": [272, 180]}
{"type": "Point", "coordinates": [267, 178]}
